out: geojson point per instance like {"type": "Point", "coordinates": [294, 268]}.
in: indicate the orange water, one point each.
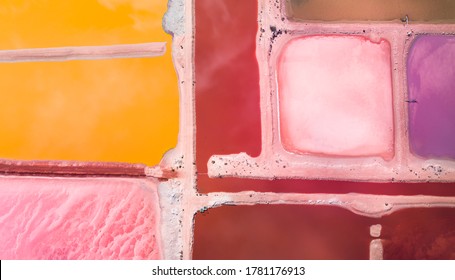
{"type": "Point", "coordinates": [122, 110]}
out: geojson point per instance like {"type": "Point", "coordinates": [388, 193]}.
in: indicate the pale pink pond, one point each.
{"type": "Point", "coordinates": [335, 96]}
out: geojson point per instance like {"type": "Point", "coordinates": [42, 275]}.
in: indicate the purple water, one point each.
{"type": "Point", "coordinates": [431, 89]}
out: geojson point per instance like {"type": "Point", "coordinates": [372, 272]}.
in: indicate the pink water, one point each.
{"type": "Point", "coordinates": [78, 219]}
